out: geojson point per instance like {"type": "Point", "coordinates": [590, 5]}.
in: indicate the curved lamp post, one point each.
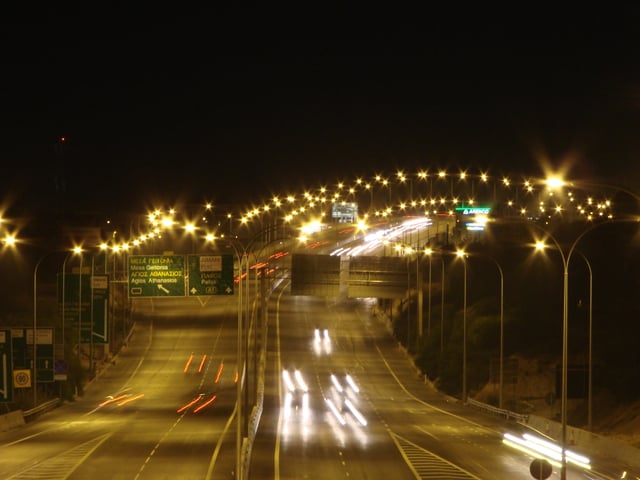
{"type": "Point", "coordinates": [35, 327]}
{"type": "Point", "coordinates": [462, 255]}
{"type": "Point", "coordinates": [241, 252]}
{"type": "Point", "coordinates": [555, 183]}
{"type": "Point", "coordinates": [430, 252]}
{"type": "Point", "coordinates": [501, 367]}
{"type": "Point", "coordinates": [566, 259]}
{"type": "Point", "coordinates": [590, 351]}
{"type": "Point", "coordinates": [442, 306]}
{"type": "Point", "coordinates": [75, 251]}
{"type": "Point", "coordinates": [35, 323]}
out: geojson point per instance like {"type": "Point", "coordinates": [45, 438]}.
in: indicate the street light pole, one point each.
{"type": "Point", "coordinates": [501, 367]}
{"type": "Point", "coordinates": [501, 334]}
{"type": "Point", "coordinates": [80, 312]}
{"type": "Point", "coordinates": [76, 250]}
{"type": "Point", "coordinates": [429, 252]}
{"type": "Point", "coordinates": [566, 259]}
{"type": "Point", "coordinates": [240, 368]}
{"type": "Point", "coordinates": [35, 329]}
{"type": "Point", "coordinates": [239, 357]}
{"type": "Point", "coordinates": [442, 306]}
{"type": "Point", "coordinates": [461, 254]}
{"type": "Point", "coordinates": [420, 296]}
{"type": "Point", "coordinates": [35, 325]}
{"type": "Point", "coordinates": [590, 387]}
{"type": "Point", "coordinates": [590, 350]}
{"type": "Point", "coordinates": [242, 258]}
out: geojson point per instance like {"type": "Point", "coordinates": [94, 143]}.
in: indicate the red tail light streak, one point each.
{"type": "Point", "coordinates": [191, 403]}
{"type": "Point", "coordinates": [201, 366]}
{"type": "Point", "coordinates": [186, 367]}
{"type": "Point", "coordinates": [206, 404]}
{"type": "Point", "coordinates": [219, 374]}
{"type": "Point", "coordinates": [196, 401]}
{"type": "Point", "coordinates": [130, 399]}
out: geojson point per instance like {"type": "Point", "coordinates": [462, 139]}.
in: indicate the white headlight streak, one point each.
{"type": "Point", "coordinates": [541, 448]}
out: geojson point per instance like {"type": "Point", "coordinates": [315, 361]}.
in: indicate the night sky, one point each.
{"type": "Point", "coordinates": [234, 104]}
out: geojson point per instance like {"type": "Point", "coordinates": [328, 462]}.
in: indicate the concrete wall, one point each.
{"type": "Point", "coordinates": [586, 442]}
{"type": "Point", "coordinates": [11, 420]}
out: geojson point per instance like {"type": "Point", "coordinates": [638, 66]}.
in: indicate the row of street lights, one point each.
{"type": "Point", "coordinates": [244, 252]}
{"type": "Point", "coordinates": [463, 256]}
{"type": "Point", "coordinates": [566, 256]}
{"type": "Point", "coordinates": [75, 251]}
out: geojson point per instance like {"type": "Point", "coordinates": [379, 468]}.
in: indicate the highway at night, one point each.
{"type": "Point", "coordinates": [336, 396]}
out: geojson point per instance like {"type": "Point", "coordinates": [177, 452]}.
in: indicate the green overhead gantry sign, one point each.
{"type": "Point", "coordinates": [85, 299]}
{"type": "Point", "coordinates": [22, 340]}
{"type": "Point", "coordinates": [210, 275]}
{"type": "Point", "coordinates": [6, 366]}
{"type": "Point", "coordinates": [156, 276]}
{"type": "Point", "coordinates": [166, 275]}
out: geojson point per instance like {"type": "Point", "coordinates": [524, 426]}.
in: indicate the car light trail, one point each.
{"type": "Point", "coordinates": [219, 374]}
{"type": "Point", "coordinates": [335, 412]}
{"type": "Point", "coordinates": [355, 412]}
{"type": "Point", "coordinates": [201, 366]}
{"type": "Point", "coordinates": [300, 381]}
{"type": "Point", "coordinates": [130, 399]}
{"type": "Point", "coordinates": [191, 403]}
{"type": "Point", "coordinates": [287, 405]}
{"type": "Point", "coordinates": [306, 412]}
{"type": "Point", "coordinates": [113, 399]}
{"type": "Point", "coordinates": [336, 383]}
{"type": "Point", "coordinates": [205, 404]}
{"type": "Point", "coordinates": [186, 367]}
{"type": "Point", "coordinates": [352, 384]}
{"type": "Point", "coordinates": [538, 447]}
{"type": "Point", "coordinates": [321, 341]}
{"type": "Point", "coordinates": [287, 380]}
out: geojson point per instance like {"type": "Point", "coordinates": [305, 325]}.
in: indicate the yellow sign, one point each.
{"type": "Point", "coordinates": [21, 378]}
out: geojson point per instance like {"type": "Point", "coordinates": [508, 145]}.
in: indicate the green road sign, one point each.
{"type": "Point", "coordinates": [93, 296]}
{"type": "Point", "coordinates": [473, 210]}
{"type": "Point", "coordinates": [45, 363]}
{"type": "Point", "coordinates": [6, 367]}
{"type": "Point", "coordinates": [156, 276]}
{"type": "Point", "coordinates": [22, 346]}
{"type": "Point", "coordinates": [44, 352]}
{"type": "Point", "coordinates": [99, 308]}
{"type": "Point", "coordinates": [210, 275]}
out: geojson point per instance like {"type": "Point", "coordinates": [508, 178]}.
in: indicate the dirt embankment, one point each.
{"type": "Point", "coordinates": [532, 391]}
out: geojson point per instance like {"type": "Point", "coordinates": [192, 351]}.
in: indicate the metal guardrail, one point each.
{"type": "Point", "coordinates": [42, 408]}
{"type": "Point", "coordinates": [508, 414]}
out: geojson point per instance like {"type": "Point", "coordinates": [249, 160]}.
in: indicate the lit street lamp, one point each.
{"type": "Point", "coordinates": [242, 253]}
{"type": "Point", "coordinates": [501, 381]}
{"type": "Point", "coordinates": [75, 251]}
{"type": "Point", "coordinates": [566, 259]}
{"type": "Point", "coordinates": [428, 251]}
{"type": "Point", "coordinates": [35, 324]}
{"type": "Point", "coordinates": [35, 329]}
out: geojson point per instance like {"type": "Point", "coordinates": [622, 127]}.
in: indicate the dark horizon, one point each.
{"type": "Point", "coordinates": [237, 104]}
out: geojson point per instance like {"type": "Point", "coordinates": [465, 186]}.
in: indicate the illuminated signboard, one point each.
{"type": "Point", "coordinates": [473, 210]}
{"type": "Point", "coordinates": [156, 276]}
{"type": "Point", "coordinates": [210, 275]}
{"type": "Point", "coordinates": [346, 212]}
